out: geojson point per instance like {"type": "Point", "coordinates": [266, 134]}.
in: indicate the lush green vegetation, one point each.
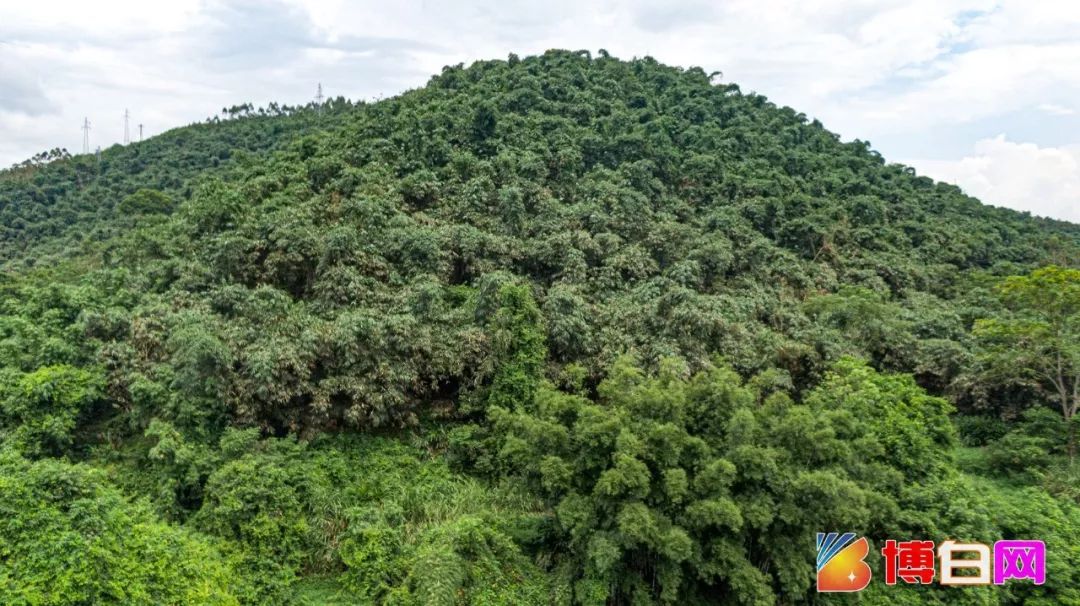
{"type": "Point", "coordinates": [553, 330]}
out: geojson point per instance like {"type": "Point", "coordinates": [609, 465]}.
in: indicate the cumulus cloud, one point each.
{"type": "Point", "coordinates": [1024, 176]}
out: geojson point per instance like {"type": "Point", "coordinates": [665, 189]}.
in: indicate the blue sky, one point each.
{"type": "Point", "coordinates": [983, 93]}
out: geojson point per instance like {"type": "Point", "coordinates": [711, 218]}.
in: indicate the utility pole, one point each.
{"type": "Point", "coordinates": [127, 135]}
{"type": "Point", "coordinates": [86, 136]}
{"type": "Point", "coordinates": [319, 98]}
{"type": "Point", "coordinates": [140, 133]}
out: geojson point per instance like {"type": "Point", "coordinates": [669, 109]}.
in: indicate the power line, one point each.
{"type": "Point", "coordinates": [86, 136]}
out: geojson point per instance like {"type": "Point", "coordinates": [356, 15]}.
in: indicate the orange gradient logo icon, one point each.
{"type": "Point", "coordinates": [840, 565]}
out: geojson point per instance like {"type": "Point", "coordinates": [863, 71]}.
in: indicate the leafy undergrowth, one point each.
{"type": "Point", "coordinates": [325, 591]}
{"type": "Point", "coordinates": [357, 519]}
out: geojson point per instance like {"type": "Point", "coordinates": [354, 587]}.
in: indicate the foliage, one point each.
{"type": "Point", "coordinates": [39, 410]}
{"type": "Point", "coordinates": [423, 535]}
{"type": "Point", "coordinates": [1029, 447]}
{"type": "Point", "coordinates": [257, 502]}
{"type": "Point", "coordinates": [1040, 340]}
{"type": "Point", "coordinates": [1022, 512]}
{"type": "Point", "coordinates": [980, 430]}
{"type": "Point", "coordinates": [519, 347]}
{"type": "Point", "coordinates": [145, 202]}
{"type": "Point", "coordinates": [328, 270]}
{"type": "Point", "coordinates": [67, 537]}
{"type": "Point", "coordinates": [676, 487]}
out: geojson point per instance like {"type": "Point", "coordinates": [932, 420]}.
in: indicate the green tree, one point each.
{"type": "Point", "coordinates": [146, 202]}
{"type": "Point", "coordinates": [520, 348]}
{"type": "Point", "coordinates": [39, 411]}
{"type": "Point", "coordinates": [672, 486]}
{"type": "Point", "coordinates": [1038, 340]}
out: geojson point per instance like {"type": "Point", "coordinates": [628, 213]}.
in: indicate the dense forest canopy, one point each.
{"type": "Point", "coordinates": [560, 329]}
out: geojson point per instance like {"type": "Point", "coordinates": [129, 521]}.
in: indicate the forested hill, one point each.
{"type": "Point", "coordinates": [48, 209]}
{"type": "Point", "coordinates": [691, 132]}
{"type": "Point", "coordinates": [562, 329]}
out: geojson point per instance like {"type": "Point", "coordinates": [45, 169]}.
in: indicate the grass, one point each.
{"type": "Point", "coordinates": [972, 460]}
{"type": "Point", "coordinates": [323, 591]}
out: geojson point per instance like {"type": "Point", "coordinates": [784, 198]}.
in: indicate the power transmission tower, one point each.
{"type": "Point", "coordinates": [86, 136]}
{"type": "Point", "coordinates": [319, 95]}
{"type": "Point", "coordinates": [127, 135]}
{"type": "Point", "coordinates": [140, 133]}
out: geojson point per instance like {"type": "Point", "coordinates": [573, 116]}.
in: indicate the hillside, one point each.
{"type": "Point", "coordinates": [49, 211]}
{"type": "Point", "coordinates": [559, 329]}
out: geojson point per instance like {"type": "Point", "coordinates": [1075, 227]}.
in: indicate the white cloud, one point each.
{"type": "Point", "coordinates": [978, 84]}
{"type": "Point", "coordinates": [64, 19]}
{"type": "Point", "coordinates": [1024, 176]}
{"type": "Point", "coordinates": [1056, 110]}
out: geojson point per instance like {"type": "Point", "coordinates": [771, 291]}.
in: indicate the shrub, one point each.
{"type": "Point", "coordinates": [977, 430]}
{"type": "Point", "coordinates": [68, 538]}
